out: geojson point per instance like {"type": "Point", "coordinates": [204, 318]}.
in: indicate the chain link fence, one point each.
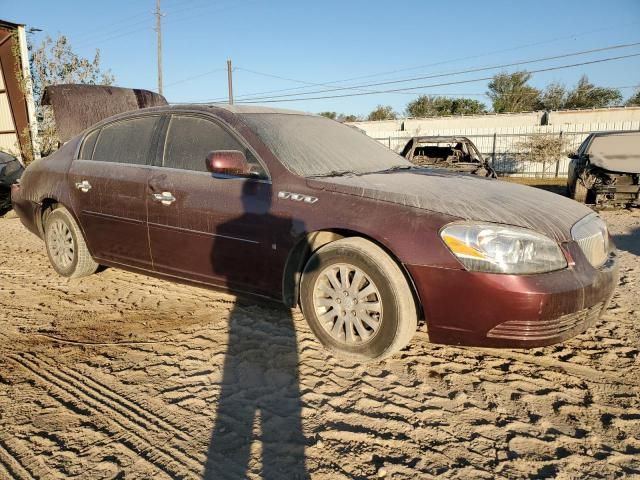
{"type": "Point", "coordinates": [506, 151]}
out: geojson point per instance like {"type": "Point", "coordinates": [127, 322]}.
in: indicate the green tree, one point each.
{"type": "Point", "coordinates": [634, 100]}
{"type": "Point", "coordinates": [586, 95]}
{"type": "Point", "coordinates": [554, 97]}
{"type": "Point", "coordinates": [54, 62]}
{"type": "Point", "coordinates": [510, 92]}
{"type": "Point", "coordinates": [429, 106]}
{"type": "Point", "coordinates": [382, 112]}
{"type": "Point", "coordinates": [331, 115]}
{"type": "Point", "coordinates": [340, 117]}
{"type": "Point", "coordinates": [348, 118]}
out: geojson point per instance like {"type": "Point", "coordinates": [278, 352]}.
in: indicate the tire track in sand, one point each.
{"type": "Point", "coordinates": [18, 461]}
{"type": "Point", "coordinates": [126, 402]}
{"type": "Point", "coordinates": [121, 424]}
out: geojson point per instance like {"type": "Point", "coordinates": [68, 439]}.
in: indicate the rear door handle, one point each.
{"type": "Point", "coordinates": [165, 198]}
{"type": "Point", "coordinates": [83, 186]}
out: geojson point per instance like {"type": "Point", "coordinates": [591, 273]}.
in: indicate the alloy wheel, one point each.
{"type": "Point", "coordinates": [347, 304]}
{"type": "Point", "coordinates": [60, 242]}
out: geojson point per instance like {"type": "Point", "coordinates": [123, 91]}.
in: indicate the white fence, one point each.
{"type": "Point", "coordinates": [503, 146]}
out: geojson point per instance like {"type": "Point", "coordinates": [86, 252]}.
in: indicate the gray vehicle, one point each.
{"type": "Point", "coordinates": [10, 171]}
{"type": "Point", "coordinates": [605, 171]}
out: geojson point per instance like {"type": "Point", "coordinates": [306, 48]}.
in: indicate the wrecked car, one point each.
{"type": "Point", "coordinates": [302, 209]}
{"type": "Point", "coordinates": [10, 171]}
{"type": "Point", "coordinates": [458, 154]}
{"type": "Point", "coordinates": [605, 171]}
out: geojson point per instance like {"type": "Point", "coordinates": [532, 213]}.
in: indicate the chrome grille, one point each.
{"type": "Point", "coordinates": [546, 329]}
{"type": "Point", "coordinates": [592, 237]}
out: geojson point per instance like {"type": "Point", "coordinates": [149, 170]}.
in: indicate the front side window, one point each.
{"type": "Point", "coordinates": [127, 141]}
{"type": "Point", "coordinates": [190, 139]}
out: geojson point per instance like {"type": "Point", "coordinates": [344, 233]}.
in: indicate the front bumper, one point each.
{"type": "Point", "coordinates": [494, 310]}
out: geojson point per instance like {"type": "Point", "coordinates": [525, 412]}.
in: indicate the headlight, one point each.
{"type": "Point", "coordinates": [592, 236]}
{"type": "Point", "coordinates": [487, 247]}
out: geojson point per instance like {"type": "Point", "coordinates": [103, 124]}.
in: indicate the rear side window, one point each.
{"type": "Point", "coordinates": [128, 141]}
{"type": "Point", "coordinates": [86, 152]}
{"type": "Point", "coordinates": [190, 139]}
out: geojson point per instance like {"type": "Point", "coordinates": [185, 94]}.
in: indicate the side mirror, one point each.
{"type": "Point", "coordinates": [228, 162]}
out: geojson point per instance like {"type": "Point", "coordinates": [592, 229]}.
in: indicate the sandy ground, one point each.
{"type": "Point", "coordinates": [121, 376]}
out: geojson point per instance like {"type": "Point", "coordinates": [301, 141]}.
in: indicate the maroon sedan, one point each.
{"type": "Point", "coordinates": [302, 209]}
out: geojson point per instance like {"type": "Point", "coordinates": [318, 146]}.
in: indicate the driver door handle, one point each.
{"type": "Point", "coordinates": [165, 198]}
{"type": "Point", "coordinates": [83, 186]}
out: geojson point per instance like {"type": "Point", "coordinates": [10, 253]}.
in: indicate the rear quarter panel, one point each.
{"type": "Point", "coordinates": [44, 179]}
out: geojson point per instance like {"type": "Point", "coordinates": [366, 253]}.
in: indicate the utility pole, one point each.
{"type": "Point", "coordinates": [159, 34]}
{"type": "Point", "coordinates": [230, 81]}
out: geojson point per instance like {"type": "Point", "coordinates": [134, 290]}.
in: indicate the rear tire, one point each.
{"type": "Point", "coordinates": [357, 300]}
{"type": "Point", "coordinates": [66, 248]}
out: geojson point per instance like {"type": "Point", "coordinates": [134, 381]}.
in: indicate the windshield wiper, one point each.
{"type": "Point", "coordinates": [349, 173]}
{"type": "Point", "coordinates": [334, 173]}
{"type": "Point", "coordinates": [396, 168]}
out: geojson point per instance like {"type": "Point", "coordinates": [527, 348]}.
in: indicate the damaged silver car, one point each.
{"type": "Point", "coordinates": [458, 154]}
{"type": "Point", "coordinates": [605, 171]}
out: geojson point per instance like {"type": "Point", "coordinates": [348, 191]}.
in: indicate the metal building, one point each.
{"type": "Point", "coordinates": [18, 126]}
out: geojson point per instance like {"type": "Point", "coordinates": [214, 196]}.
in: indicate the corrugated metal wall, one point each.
{"type": "Point", "coordinates": [8, 135]}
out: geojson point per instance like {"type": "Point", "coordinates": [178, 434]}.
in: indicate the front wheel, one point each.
{"type": "Point", "coordinates": [580, 191]}
{"type": "Point", "coordinates": [66, 248]}
{"type": "Point", "coordinates": [357, 301]}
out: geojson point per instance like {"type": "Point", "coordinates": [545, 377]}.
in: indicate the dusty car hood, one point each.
{"type": "Point", "coordinates": [465, 196]}
{"type": "Point", "coordinates": [77, 107]}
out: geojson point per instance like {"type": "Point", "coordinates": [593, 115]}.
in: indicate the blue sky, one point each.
{"type": "Point", "coordinates": [332, 40]}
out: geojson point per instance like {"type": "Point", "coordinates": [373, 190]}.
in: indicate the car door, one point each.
{"type": "Point", "coordinates": [203, 227]}
{"type": "Point", "coordinates": [108, 182]}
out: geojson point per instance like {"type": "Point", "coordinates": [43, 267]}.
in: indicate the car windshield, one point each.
{"type": "Point", "coordinates": [312, 146]}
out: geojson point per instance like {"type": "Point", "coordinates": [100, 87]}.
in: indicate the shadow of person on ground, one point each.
{"type": "Point", "coordinates": [629, 242]}
{"type": "Point", "coordinates": [259, 407]}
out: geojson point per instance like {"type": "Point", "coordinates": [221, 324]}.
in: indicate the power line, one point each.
{"type": "Point", "coordinates": [98, 32]}
{"type": "Point", "coordinates": [188, 79]}
{"type": "Point", "coordinates": [331, 83]}
{"type": "Point", "coordinates": [291, 80]}
{"type": "Point", "coordinates": [107, 36]}
{"type": "Point", "coordinates": [466, 94]}
{"type": "Point", "coordinates": [460, 72]}
{"type": "Point", "coordinates": [459, 82]}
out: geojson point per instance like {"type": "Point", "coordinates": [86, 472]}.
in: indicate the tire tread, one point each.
{"type": "Point", "coordinates": [85, 265]}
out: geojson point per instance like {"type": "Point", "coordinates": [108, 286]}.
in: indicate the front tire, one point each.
{"type": "Point", "coordinates": [66, 248]}
{"type": "Point", "coordinates": [357, 300]}
{"type": "Point", "coordinates": [580, 191]}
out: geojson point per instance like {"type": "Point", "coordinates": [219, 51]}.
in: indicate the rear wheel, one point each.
{"type": "Point", "coordinates": [66, 248]}
{"type": "Point", "coordinates": [357, 301]}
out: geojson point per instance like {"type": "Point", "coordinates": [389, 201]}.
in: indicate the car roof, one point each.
{"type": "Point", "coordinates": [250, 109]}
{"type": "Point", "coordinates": [215, 109]}
{"type": "Point", "coordinates": [613, 132]}
{"type": "Point", "coordinates": [77, 107]}
{"type": "Point", "coordinates": [437, 138]}
{"type": "Point", "coordinates": [218, 107]}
